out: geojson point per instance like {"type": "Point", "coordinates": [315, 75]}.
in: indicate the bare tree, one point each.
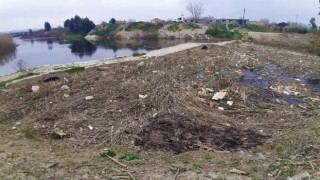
{"type": "Point", "coordinates": [265, 21]}
{"type": "Point", "coordinates": [196, 10]}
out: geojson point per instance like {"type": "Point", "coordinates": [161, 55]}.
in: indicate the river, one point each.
{"type": "Point", "coordinates": [34, 53]}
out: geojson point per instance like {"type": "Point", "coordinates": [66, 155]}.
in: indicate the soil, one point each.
{"type": "Point", "coordinates": [162, 109]}
{"type": "Point", "coordinates": [179, 134]}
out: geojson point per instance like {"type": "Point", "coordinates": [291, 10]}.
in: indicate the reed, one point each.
{"type": "Point", "coordinates": [7, 48]}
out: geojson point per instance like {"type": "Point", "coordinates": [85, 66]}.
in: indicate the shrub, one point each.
{"type": "Point", "coordinates": [7, 46]}
{"type": "Point", "coordinates": [130, 156]}
{"type": "Point", "coordinates": [191, 26]}
{"type": "Point", "coordinates": [222, 33]}
{"type": "Point", "coordinates": [108, 153]}
{"type": "Point", "coordinates": [146, 27]}
{"type": "Point", "coordinates": [256, 28]}
{"type": "Point", "coordinates": [107, 30]}
{"type": "Point", "coordinates": [174, 27]}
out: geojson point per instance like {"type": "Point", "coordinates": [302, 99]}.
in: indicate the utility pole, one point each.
{"type": "Point", "coordinates": [244, 13]}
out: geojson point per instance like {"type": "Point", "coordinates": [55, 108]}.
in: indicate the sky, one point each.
{"type": "Point", "coordinates": [31, 14]}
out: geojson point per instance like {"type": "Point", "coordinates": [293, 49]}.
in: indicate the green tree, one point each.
{"type": "Point", "coordinates": [112, 21]}
{"type": "Point", "coordinates": [79, 25]}
{"type": "Point", "coordinates": [282, 25]}
{"type": "Point", "coordinates": [47, 26]}
{"type": "Point", "coordinates": [313, 23]}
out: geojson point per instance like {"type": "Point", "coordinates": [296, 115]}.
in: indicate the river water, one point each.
{"type": "Point", "coordinates": [33, 53]}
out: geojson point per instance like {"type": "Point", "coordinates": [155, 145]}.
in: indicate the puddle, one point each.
{"type": "Point", "coordinates": [178, 134]}
{"type": "Point", "coordinates": [266, 77]}
{"type": "Point", "coordinates": [313, 83]}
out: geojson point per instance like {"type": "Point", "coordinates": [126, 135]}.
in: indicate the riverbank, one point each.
{"type": "Point", "coordinates": [234, 111]}
{"type": "Point", "coordinates": [42, 70]}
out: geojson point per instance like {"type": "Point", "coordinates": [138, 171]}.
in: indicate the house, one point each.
{"type": "Point", "coordinates": [231, 21]}
{"type": "Point", "coordinates": [156, 21]}
{"type": "Point", "coordinates": [121, 22]}
{"type": "Point", "coordinates": [258, 23]}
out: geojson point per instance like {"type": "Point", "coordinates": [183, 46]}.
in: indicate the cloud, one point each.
{"type": "Point", "coordinates": [18, 14]}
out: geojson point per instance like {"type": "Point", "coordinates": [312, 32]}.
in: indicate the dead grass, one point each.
{"type": "Point", "coordinates": [117, 114]}
{"type": "Point", "coordinates": [7, 48]}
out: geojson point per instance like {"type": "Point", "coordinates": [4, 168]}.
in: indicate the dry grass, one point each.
{"type": "Point", "coordinates": [7, 48]}
{"type": "Point", "coordinates": [117, 113]}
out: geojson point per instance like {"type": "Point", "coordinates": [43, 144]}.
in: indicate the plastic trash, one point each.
{"type": "Point", "coordinates": [35, 88]}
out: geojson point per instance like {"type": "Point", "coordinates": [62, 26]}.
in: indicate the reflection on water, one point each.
{"type": "Point", "coordinates": [7, 56]}
{"type": "Point", "coordinates": [44, 52]}
{"type": "Point", "coordinates": [82, 48]}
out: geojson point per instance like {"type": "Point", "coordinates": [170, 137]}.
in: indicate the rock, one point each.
{"type": "Point", "coordinates": [18, 123]}
{"type": "Point", "coordinates": [302, 176]}
{"type": "Point", "coordinates": [89, 98]}
{"type": "Point", "coordinates": [261, 156]}
{"type": "Point", "coordinates": [140, 64]}
{"type": "Point", "coordinates": [219, 96]}
{"type": "Point", "coordinates": [14, 128]}
{"type": "Point", "coordinates": [35, 88]}
{"type": "Point", "coordinates": [204, 47]}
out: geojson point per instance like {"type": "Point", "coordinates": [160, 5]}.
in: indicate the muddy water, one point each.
{"type": "Point", "coordinates": [269, 76]}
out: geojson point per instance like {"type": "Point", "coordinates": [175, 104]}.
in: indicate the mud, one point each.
{"type": "Point", "coordinates": [179, 134]}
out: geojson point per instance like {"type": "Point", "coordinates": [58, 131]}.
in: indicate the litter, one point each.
{"type": "Point", "coordinates": [35, 88]}
{"type": "Point", "coordinates": [219, 96]}
{"type": "Point", "coordinates": [142, 96]}
{"type": "Point", "coordinates": [89, 98]}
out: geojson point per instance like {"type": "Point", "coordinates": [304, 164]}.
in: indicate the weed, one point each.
{"type": "Point", "coordinates": [28, 132]}
{"type": "Point", "coordinates": [198, 170]}
{"type": "Point", "coordinates": [169, 160]}
{"type": "Point", "coordinates": [76, 70]}
{"type": "Point", "coordinates": [108, 153]}
{"type": "Point", "coordinates": [221, 32]}
{"type": "Point", "coordinates": [138, 54]}
{"type": "Point", "coordinates": [191, 26]}
{"type": "Point", "coordinates": [174, 27]}
{"type": "Point", "coordinates": [130, 156]}
{"type": "Point", "coordinates": [108, 30]}
{"type": "Point", "coordinates": [221, 163]}
{"type": "Point", "coordinates": [146, 27]}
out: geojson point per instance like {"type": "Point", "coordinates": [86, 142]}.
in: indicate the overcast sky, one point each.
{"type": "Point", "coordinates": [26, 14]}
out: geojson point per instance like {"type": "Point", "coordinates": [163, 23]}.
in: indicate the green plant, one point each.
{"type": "Point", "coordinates": [146, 27]}
{"type": "Point", "coordinates": [191, 26]}
{"type": "Point", "coordinates": [221, 32]}
{"type": "Point", "coordinates": [28, 132]}
{"type": "Point", "coordinates": [174, 27]}
{"type": "Point", "coordinates": [108, 30]}
{"type": "Point", "coordinates": [138, 54]}
{"type": "Point", "coordinates": [256, 28]}
{"type": "Point", "coordinates": [108, 153]}
{"type": "Point", "coordinates": [76, 70]}
{"type": "Point", "coordinates": [130, 156]}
